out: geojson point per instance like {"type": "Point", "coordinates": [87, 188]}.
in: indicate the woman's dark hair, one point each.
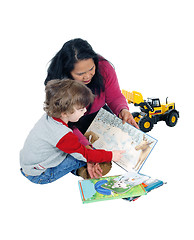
{"type": "Point", "coordinates": [73, 51]}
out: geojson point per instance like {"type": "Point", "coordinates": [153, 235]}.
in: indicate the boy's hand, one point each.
{"type": "Point", "coordinates": [117, 155]}
{"type": "Point", "coordinates": [94, 170]}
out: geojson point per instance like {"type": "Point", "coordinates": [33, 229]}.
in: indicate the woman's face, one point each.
{"type": "Point", "coordinates": [84, 70]}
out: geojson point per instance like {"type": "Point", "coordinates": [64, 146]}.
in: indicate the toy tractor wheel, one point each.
{"type": "Point", "coordinates": [172, 119]}
{"type": "Point", "coordinates": [136, 116]}
{"type": "Point", "coordinates": [145, 124]}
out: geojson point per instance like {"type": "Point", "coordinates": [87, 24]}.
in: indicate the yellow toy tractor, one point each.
{"type": "Point", "coordinates": [151, 111]}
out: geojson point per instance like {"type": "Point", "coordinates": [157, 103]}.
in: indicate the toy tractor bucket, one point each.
{"type": "Point", "coordinates": [133, 97]}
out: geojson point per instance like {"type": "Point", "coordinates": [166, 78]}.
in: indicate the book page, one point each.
{"type": "Point", "coordinates": [108, 132]}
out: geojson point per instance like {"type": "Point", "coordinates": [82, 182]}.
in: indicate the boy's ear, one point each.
{"type": "Point", "coordinates": [63, 114]}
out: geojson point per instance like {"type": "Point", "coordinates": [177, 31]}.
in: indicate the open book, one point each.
{"type": "Point", "coordinates": [108, 132]}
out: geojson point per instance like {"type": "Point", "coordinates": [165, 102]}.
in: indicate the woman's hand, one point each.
{"type": "Point", "coordinates": [94, 170]}
{"type": "Point", "coordinates": [126, 116]}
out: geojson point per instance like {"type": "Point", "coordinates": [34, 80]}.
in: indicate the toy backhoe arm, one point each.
{"type": "Point", "coordinates": [143, 105]}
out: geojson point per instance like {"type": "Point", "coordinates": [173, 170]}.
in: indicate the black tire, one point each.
{"type": "Point", "coordinates": [136, 116]}
{"type": "Point", "coordinates": [172, 119]}
{"type": "Point", "coordinates": [146, 124]}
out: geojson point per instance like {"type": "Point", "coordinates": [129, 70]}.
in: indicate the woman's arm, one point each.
{"type": "Point", "coordinates": [113, 96]}
{"type": "Point", "coordinates": [82, 139]}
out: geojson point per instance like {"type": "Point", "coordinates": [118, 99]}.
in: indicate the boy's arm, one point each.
{"type": "Point", "coordinates": [70, 144]}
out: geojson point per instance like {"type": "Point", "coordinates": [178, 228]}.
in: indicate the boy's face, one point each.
{"type": "Point", "coordinates": [73, 117]}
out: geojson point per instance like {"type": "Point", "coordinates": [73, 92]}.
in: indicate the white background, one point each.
{"type": "Point", "coordinates": [151, 46]}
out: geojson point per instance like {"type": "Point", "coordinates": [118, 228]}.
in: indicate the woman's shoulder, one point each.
{"type": "Point", "coordinates": [105, 65]}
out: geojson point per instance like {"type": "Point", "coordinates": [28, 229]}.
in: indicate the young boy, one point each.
{"type": "Point", "coordinates": [51, 150]}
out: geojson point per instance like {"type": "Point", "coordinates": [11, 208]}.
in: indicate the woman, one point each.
{"type": "Point", "coordinates": [77, 60]}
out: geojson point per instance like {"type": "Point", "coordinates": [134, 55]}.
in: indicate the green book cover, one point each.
{"type": "Point", "coordinates": [106, 188]}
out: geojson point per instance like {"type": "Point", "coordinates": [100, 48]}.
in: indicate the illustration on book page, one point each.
{"type": "Point", "coordinates": [108, 132]}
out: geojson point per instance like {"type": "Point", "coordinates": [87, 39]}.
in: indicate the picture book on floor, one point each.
{"type": "Point", "coordinates": [129, 186]}
{"type": "Point", "coordinates": [113, 187]}
{"type": "Point", "coordinates": [108, 132]}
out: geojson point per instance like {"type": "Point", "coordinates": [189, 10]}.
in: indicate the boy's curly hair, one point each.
{"type": "Point", "coordinates": [63, 96]}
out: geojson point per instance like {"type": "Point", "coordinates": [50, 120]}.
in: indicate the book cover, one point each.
{"type": "Point", "coordinates": [108, 132]}
{"type": "Point", "coordinates": [112, 187]}
{"type": "Point", "coordinates": [149, 185]}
